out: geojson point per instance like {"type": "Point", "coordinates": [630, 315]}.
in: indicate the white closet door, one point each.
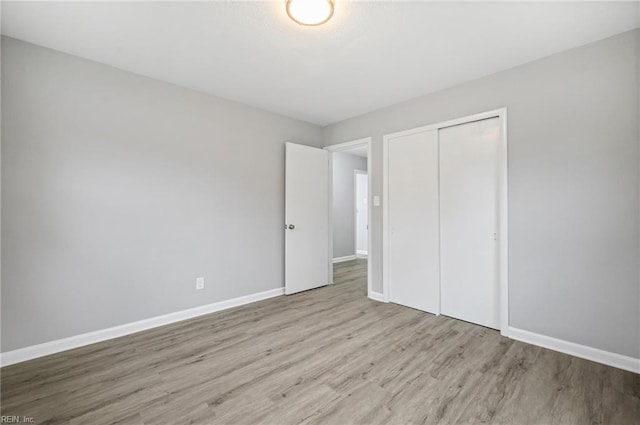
{"type": "Point", "coordinates": [469, 221]}
{"type": "Point", "coordinates": [412, 202]}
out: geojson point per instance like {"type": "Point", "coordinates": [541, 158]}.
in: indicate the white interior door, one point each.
{"type": "Point", "coordinates": [306, 218]}
{"type": "Point", "coordinates": [469, 221]}
{"type": "Point", "coordinates": [362, 226]}
{"type": "Point", "coordinates": [412, 210]}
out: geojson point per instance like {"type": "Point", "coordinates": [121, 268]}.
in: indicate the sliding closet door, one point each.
{"type": "Point", "coordinates": [412, 202]}
{"type": "Point", "coordinates": [469, 221]}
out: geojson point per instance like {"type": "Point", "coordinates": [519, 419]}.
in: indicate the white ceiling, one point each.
{"type": "Point", "coordinates": [369, 55]}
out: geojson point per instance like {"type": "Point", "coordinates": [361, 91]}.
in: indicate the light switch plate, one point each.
{"type": "Point", "coordinates": [376, 201]}
{"type": "Point", "coordinates": [200, 283]}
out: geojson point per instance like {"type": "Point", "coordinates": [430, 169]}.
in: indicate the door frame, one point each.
{"type": "Point", "coordinates": [503, 239]}
{"type": "Point", "coordinates": [355, 208]}
{"type": "Point", "coordinates": [341, 147]}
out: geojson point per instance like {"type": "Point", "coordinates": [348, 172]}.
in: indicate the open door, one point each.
{"type": "Point", "coordinates": [306, 218]}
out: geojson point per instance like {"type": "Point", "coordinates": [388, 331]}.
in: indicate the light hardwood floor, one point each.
{"type": "Point", "coordinates": [327, 356]}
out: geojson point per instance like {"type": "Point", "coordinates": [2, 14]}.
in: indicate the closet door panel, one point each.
{"type": "Point", "coordinates": [469, 221]}
{"type": "Point", "coordinates": [413, 257]}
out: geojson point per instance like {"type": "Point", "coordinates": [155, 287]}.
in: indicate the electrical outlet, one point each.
{"type": "Point", "coordinates": [200, 283]}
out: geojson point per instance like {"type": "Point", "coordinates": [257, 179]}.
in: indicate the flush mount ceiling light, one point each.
{"type": "Point", "coordinates": [310, 12]}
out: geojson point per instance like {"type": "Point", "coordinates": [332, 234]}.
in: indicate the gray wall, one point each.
{"type": "Point", "coordinates": [344, 243]}
{"type": "Point", "coordinates": [573, 186]}
{"type": "Point", "coordinates": [120, 190]}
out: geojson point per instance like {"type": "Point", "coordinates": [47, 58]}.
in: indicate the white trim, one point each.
{"type": "Point", "coordinates": [503, 270]}
{"type": "Point", "coordinates": [450, 123]}
{"type": "Point", "coordinates": [594, 354]}
{"type": "Point", "coordinates": [349, 145]}
{"type": "Point", "coordinates": [439, 311]}
{"type": "Point", "coordinates": [343, 259]}
{"type": "Point", "coordinates": [377, 296]}
{"type": "Point", "coordinates": [370, 233]}
{"type": "Point", "coordinates": [503, 223]}
{"type": "Point", "coordinates": [330, 213]}
{"type": "Point", "coordinates": [362, 254]}
{"type": "Point", "coordinates": [57, 346]}
{"type": "Point", "coordinates": [385, 218]}
{"type": "Point", "coordinates": [343, 147]}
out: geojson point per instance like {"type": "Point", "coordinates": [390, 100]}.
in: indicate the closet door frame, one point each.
{"type": "Point", "coordinates": [503, 239]}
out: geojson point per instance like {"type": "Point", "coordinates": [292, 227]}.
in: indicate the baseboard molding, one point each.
{"type": "Point", "coordinates": [362, 254]}
{"type": "Point", "coordinates": [57, 346]}
{"type": "Point", "coordinates": [594, 354]}
{"type": "Point", "coordinates": [376, 296]}
{"type": "Point", "coordinates": [346, 258]}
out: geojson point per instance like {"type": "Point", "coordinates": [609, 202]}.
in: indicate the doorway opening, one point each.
{"type": "Point", "coordinates": [361, 208]}
{"type": "Point", "coordinates": [350, 213]}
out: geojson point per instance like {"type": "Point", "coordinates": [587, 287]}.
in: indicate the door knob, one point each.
{"type": "Point", "coordinates": [291, 227]}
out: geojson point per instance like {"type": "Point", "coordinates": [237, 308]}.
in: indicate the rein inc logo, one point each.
{"type": "Point", "coordinates": [7, 419]}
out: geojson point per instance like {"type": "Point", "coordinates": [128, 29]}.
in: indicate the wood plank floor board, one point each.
{"type": "Point", "coordinates": [326, 356]}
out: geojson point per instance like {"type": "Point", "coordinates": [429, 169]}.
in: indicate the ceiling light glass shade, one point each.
{"type": "Point", "coordinates": [310, 12]}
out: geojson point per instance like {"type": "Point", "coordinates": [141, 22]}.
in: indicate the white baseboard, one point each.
{"type": "Point", "coordinates": [362, 254]}
{"type": "Point", "coordinates": [52, 347]}
{"type": "Point", "coordinates": [376, 296]}
{"type": "Point", "coordinates": [346, 258]}
{"type": "Point", "coordinates": [594, 354]}
{"type": "Point", "coordinates": [23, 354]}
